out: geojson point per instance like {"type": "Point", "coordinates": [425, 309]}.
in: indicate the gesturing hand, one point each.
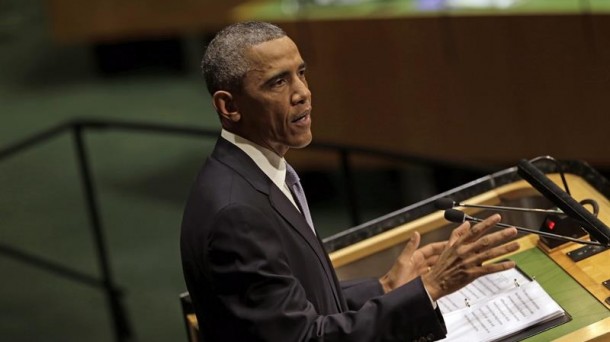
{"type": "Point", "coordinates": [461, 260]}
{"type": "Point", "coordinates": [412, 262]}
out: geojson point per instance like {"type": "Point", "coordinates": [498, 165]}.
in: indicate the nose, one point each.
{"type": "Point", "coordinates": [301, 93]}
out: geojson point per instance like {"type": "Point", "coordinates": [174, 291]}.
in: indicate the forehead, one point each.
{"type": "Point", "coordinates": [274, 54]}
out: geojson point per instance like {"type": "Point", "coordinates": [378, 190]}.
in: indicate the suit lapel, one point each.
{"type": "Point", "coordinates": [239, 161]}
{"type": "Point", "coordinates": [298, 222]}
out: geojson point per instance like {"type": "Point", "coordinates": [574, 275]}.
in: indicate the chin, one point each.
{"type": "Point", "coordinates": [304, 142]}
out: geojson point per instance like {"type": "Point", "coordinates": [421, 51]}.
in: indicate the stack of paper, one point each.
{"type": "Point", "coordinates": [496, 306]}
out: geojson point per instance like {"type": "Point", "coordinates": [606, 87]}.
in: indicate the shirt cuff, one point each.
{"type": "Point", "coordinates": [433, 302]}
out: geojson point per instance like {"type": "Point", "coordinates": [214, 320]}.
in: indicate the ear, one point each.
{"type": "Point", "coordinates": [226, 106]}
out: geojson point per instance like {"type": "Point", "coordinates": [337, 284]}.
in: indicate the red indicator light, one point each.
{"type": "Point", "coordinates": [550, 224]}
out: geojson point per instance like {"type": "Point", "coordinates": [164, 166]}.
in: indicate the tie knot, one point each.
{"type": "Point", "coordinates": [291, 176]}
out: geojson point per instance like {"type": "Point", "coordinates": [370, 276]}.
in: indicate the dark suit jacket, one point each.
{"type": "Point", "coordinates": [256, 272]}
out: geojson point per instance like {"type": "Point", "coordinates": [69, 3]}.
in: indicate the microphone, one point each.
{"type": "Point", "coordinates": [596, 228]}
{"type": "Point", "coordinates": [449, 203]}
{"type": "Point", "coordinates": [456, 216]}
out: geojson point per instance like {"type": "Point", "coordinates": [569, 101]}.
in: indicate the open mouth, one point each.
{"type": "Point", "coordinates": [300, 117]}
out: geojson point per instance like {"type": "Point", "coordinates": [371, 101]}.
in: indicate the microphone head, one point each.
{"type": "Point", "coordinates": [454, 215]}
{"type": "Point", "coordinates": [444, 203]}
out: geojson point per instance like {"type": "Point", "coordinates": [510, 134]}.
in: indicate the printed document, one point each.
{"type": "Point", "coordinates": [497, 306]}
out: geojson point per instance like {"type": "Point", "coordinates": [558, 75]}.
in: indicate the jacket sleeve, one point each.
{"type": "Point", "coordinates": [249, 273]}
{"type": "Point", "coordinates": [358, 291]}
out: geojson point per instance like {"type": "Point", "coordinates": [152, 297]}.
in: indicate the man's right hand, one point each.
{"type": "Point", "coordinates": [462, 260]}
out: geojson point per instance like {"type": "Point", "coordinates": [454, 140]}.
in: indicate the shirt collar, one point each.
{"type": "Point", "coordinates": [268, 161]}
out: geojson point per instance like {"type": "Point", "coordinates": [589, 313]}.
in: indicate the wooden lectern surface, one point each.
{"type": "Point", "coordinates": [588, 273]}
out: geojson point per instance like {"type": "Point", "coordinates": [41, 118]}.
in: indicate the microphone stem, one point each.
{"type": "Point", "coordinates": [549, 211]}
{"type": "Point", "coordinates": [533, 231]}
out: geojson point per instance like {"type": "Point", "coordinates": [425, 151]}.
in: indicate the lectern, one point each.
{"type": "Point", "coordinates": [578, 286]}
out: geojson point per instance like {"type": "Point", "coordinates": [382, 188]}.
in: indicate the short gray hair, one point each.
{"type": "Point", "coordinates": [224, 64]}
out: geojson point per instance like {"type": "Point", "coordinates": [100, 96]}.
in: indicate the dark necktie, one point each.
{"type": "Point", "coordinates": [292, 180]}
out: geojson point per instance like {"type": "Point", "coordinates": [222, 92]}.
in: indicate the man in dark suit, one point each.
{"type": "Point", "coordinates": [253, 264]}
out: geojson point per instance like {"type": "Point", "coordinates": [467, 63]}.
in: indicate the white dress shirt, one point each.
{"type": "Point", "coordinates": [268, 161]}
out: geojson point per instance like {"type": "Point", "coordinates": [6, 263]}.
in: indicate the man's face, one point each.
{"type": "Point", "coordinates": [275, 101]}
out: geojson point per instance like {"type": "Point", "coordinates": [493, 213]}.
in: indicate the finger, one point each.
{"type": "Point", "coordinates": [497, 267]}
{"type": "Point", "coordinates": [411, 246]}
{"type": "Point", "coordinates": [481, 228]}
{"type": "Point", "coordinates": [433, 249]}
{"type": "Point", "coordinates": [487, 241]}
{"type": "Point", "coordinates": [459, 232]}
{"type": "Point", "coordinates": [496, 252]}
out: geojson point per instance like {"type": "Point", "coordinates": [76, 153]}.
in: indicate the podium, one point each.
{"type": "Point", "coordinates": [371, 248]}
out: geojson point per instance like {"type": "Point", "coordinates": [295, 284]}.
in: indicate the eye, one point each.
{"type": "Point", "coordinates": [278, 82]}
{"type": "Point", "coordinates": [302, 73]}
